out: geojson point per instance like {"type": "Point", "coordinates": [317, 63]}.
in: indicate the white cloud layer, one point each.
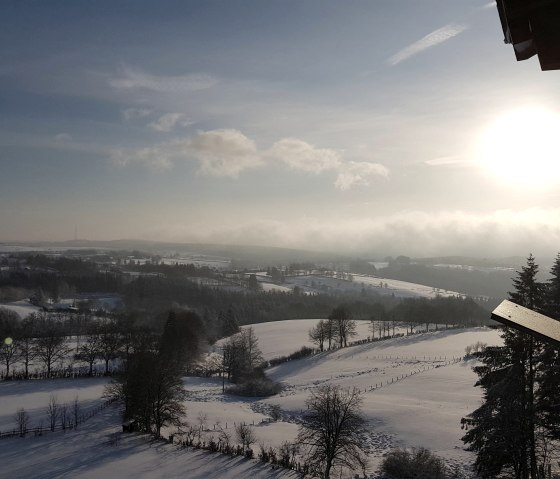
{"type": "Point", "coordinates": [414, 233]}
{"type": "Point", "coordinates": [224, 152]}
{"type": "Point", "coordinates": [299, 155]}
{"type": "Point", "coordinates": [131, 78]}
{"type": "Point", "coordinates": [63, 137]}
{"type": "Point", "coordinates": [134, 113]}
{"type": "Point", "coordinates": [431, 40]}
{"type": "Point", "coordinates": [170, 121]}
{"type": "Point", "coordinates": [158, 157]}
{"type": "Point", "coordinates": [356, 173]}
{"type": "Point", "coordinates": [228, 152]}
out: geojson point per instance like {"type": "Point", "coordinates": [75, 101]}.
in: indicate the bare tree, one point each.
{"type": "Point", "coordinates": [318, 334]}
{"type": "Point", "coordinates": [53, 411]}
{"type": "Point", "coordinates": [345, 326]}
{"type": "Point", "coordinates": [245, 435]}
{"type": "Point", "coordinates": [276, 412]}
{"type": "Point", "coordinates": [110, 342]}
{"type": "Point", "coordinates": [331, 432]}
{"type": "Point", "coordinates": [224, 438]}
{"type": "Point", "coordinates": [26, 343]}
{"type": "Point", "coordinates": [241, 355]}
{"type": "Point", "coordinates": [63, 415]}
{"type": "Point", "coordinates": [9, 353]}
{"type": "Point", "coordinates": [250, 342]}
{"type": "Point", "coordinates": [330, 331]}
{"type": "Point", "coordinates": [22, 421]}
{"type": "Point", "coordinates": [50, 345]}
{"type": "Point", "coordinates": [89, 351]}
{"type": "Point", "coordinates": [76, 411]}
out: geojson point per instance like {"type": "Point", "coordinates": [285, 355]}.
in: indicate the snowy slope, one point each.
{"type": "Point", "coordinates": [415, 391]}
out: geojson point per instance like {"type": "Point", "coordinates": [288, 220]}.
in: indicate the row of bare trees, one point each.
{"type": "Point", "coordinates": [63, 415]}
{"type": "Point", "coordinates": [334, 331]}
{"type": "Point", "coordinates": [40, 340]}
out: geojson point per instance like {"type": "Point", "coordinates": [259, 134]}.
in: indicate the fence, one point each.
{"type": "Point", "coordinates": [39, 431]}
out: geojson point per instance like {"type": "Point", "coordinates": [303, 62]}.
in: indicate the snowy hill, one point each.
{"type": "Point", "coordinates": [415, 390]}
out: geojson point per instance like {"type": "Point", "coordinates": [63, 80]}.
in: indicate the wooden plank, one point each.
{"type": "Point", "coordinates": [528, 321]}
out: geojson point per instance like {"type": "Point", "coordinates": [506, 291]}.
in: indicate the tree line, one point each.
{"type": "Point", "coordinates": [46, 340]}
{"type": "Point", "coordinates": [151, 295]}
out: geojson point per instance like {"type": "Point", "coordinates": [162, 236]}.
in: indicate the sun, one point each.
{"type": "Point", "coordinates": [522, 147]}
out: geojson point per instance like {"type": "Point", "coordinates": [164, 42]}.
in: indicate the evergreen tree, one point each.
{"type": "Point", "coordinates": [229, 323]}
{"type": "Point", "coordinates": [503, 430]}
{"type": "Point", "coordinates": [548, 369]}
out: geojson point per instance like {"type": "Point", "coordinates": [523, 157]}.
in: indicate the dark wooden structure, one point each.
{"type": "Point", "coordinates": [533, 28]}
{"type": "Point", "coordinates": [526, 320]}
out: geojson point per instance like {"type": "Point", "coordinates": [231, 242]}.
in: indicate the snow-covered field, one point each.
{"type": "Point", "coordinates": [313, 284]}
{"type": "Point", "coordinates": [394, 285]}
{"type": "Point", "coordinates": [23, 308]}
{"type": "Point", "coordinates": [274, 342]}
{"type": "Point", "coordinates": [414, 389]}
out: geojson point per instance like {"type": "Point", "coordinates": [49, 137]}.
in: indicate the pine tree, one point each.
{"type": "Point", "coordinates": [503, 430]}
{"type": "Point", "coordinates": [548, 370]}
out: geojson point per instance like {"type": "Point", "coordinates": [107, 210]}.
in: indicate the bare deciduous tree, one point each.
{"type": "Point", "coordinates": [63, 415]}
{"type": "Point", "coordinates": [50, 345]}
{"type": "Point", "coordinates": [345, 326]}
{"type": "Point", "coordinates": [245, 435]}
{"type": "Point", "coordinates": [22, 421]}
{"type": "Point", "coordinates": [53, 411]}
{"type": "Point", "coordinates": [331, 432]}
{"type": "Point", "coordinates": [318, 334]}
{"type": "Point", "coordinates": [89, 351]}
{"type": "Point", "coordinates": [109, 342]}
{"type": "Point", "coordinates": [76, 411]}
{"type": "Point", "coordinates": [8, 353]}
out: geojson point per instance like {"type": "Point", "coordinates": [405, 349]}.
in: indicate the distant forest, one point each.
{"type": "Point", "coordinates": [476, 283]}
{"type": "Point", "coordinates": [175, 286]}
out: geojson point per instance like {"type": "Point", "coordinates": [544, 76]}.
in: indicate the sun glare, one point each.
{"type": "Point", "coordinates": [521, 147]}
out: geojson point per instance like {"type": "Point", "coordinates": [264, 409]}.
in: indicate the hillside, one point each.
{"type": "Point", "coordinates": [415, 390]}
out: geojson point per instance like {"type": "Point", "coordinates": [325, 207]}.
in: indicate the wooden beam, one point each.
{"type": "Point", "coordinates": [528, 321]}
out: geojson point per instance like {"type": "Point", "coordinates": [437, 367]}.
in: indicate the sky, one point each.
{"type": "Point", "coordinates": [368, 127]}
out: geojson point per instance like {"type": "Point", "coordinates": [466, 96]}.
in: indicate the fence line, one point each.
{"type": "Point", "coordinates": [39, 431]}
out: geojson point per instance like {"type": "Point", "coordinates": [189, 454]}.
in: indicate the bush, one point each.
{"type": "Point", "coordinates": [416, 464]}
{"type": "Point", "coordinates": [256, 387]}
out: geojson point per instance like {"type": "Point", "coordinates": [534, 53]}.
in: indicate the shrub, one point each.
{"type": "Point", "coordinates": [416, 464]}
{"type": "Point", "coordinates": [256, 387]}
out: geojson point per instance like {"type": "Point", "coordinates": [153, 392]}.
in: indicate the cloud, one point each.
{"type": "Point", "coordinates": [228, 152]}
{"type": "Point", "coordinates": [218, 152]}
{"type": "Point", "coordinates": [225, 152]}
{"type": "Point", "coordinates": [358, 173]}
{"type": "Point", "coordinates": [431, 40]}
{"type": "Point", "coordinates": [414, 233]}
{"type": "Point", "coordinates": [130, 78]}
{"type": "Point", "coordinates": [299, 155]}
{"type": "Point", "coordinates": [169, 121]}
{"type": "Point", "coordinates": [134, 113]}
{"type": "Point", "coordinates": [158, 157]}
{"type": "Point", "coordinates": [453, 160]}
{"type": "Point", "coordinates": [63, 137]}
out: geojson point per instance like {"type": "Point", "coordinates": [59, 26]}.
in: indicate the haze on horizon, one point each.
{"type": "Point", "coordinates": [376, 127]}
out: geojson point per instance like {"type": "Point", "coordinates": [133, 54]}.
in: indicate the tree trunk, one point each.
{"type": "Point", "coordinates": [328, 467]}
{"type": "Point", "coordinates": [531, 404]}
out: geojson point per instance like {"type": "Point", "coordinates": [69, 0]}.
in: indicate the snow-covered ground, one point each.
{"type": "Point", "coordinates": [23, 308]}
{"type": "Point", "coordinates": [274, 343]}
{"type": "Point", "coordinates": [414, 392]}
{"type": "Point", "coordinates": [394, 285]}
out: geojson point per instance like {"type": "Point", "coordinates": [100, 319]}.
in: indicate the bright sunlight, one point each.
{"type": "Point", "coordinates": [521, 147]}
